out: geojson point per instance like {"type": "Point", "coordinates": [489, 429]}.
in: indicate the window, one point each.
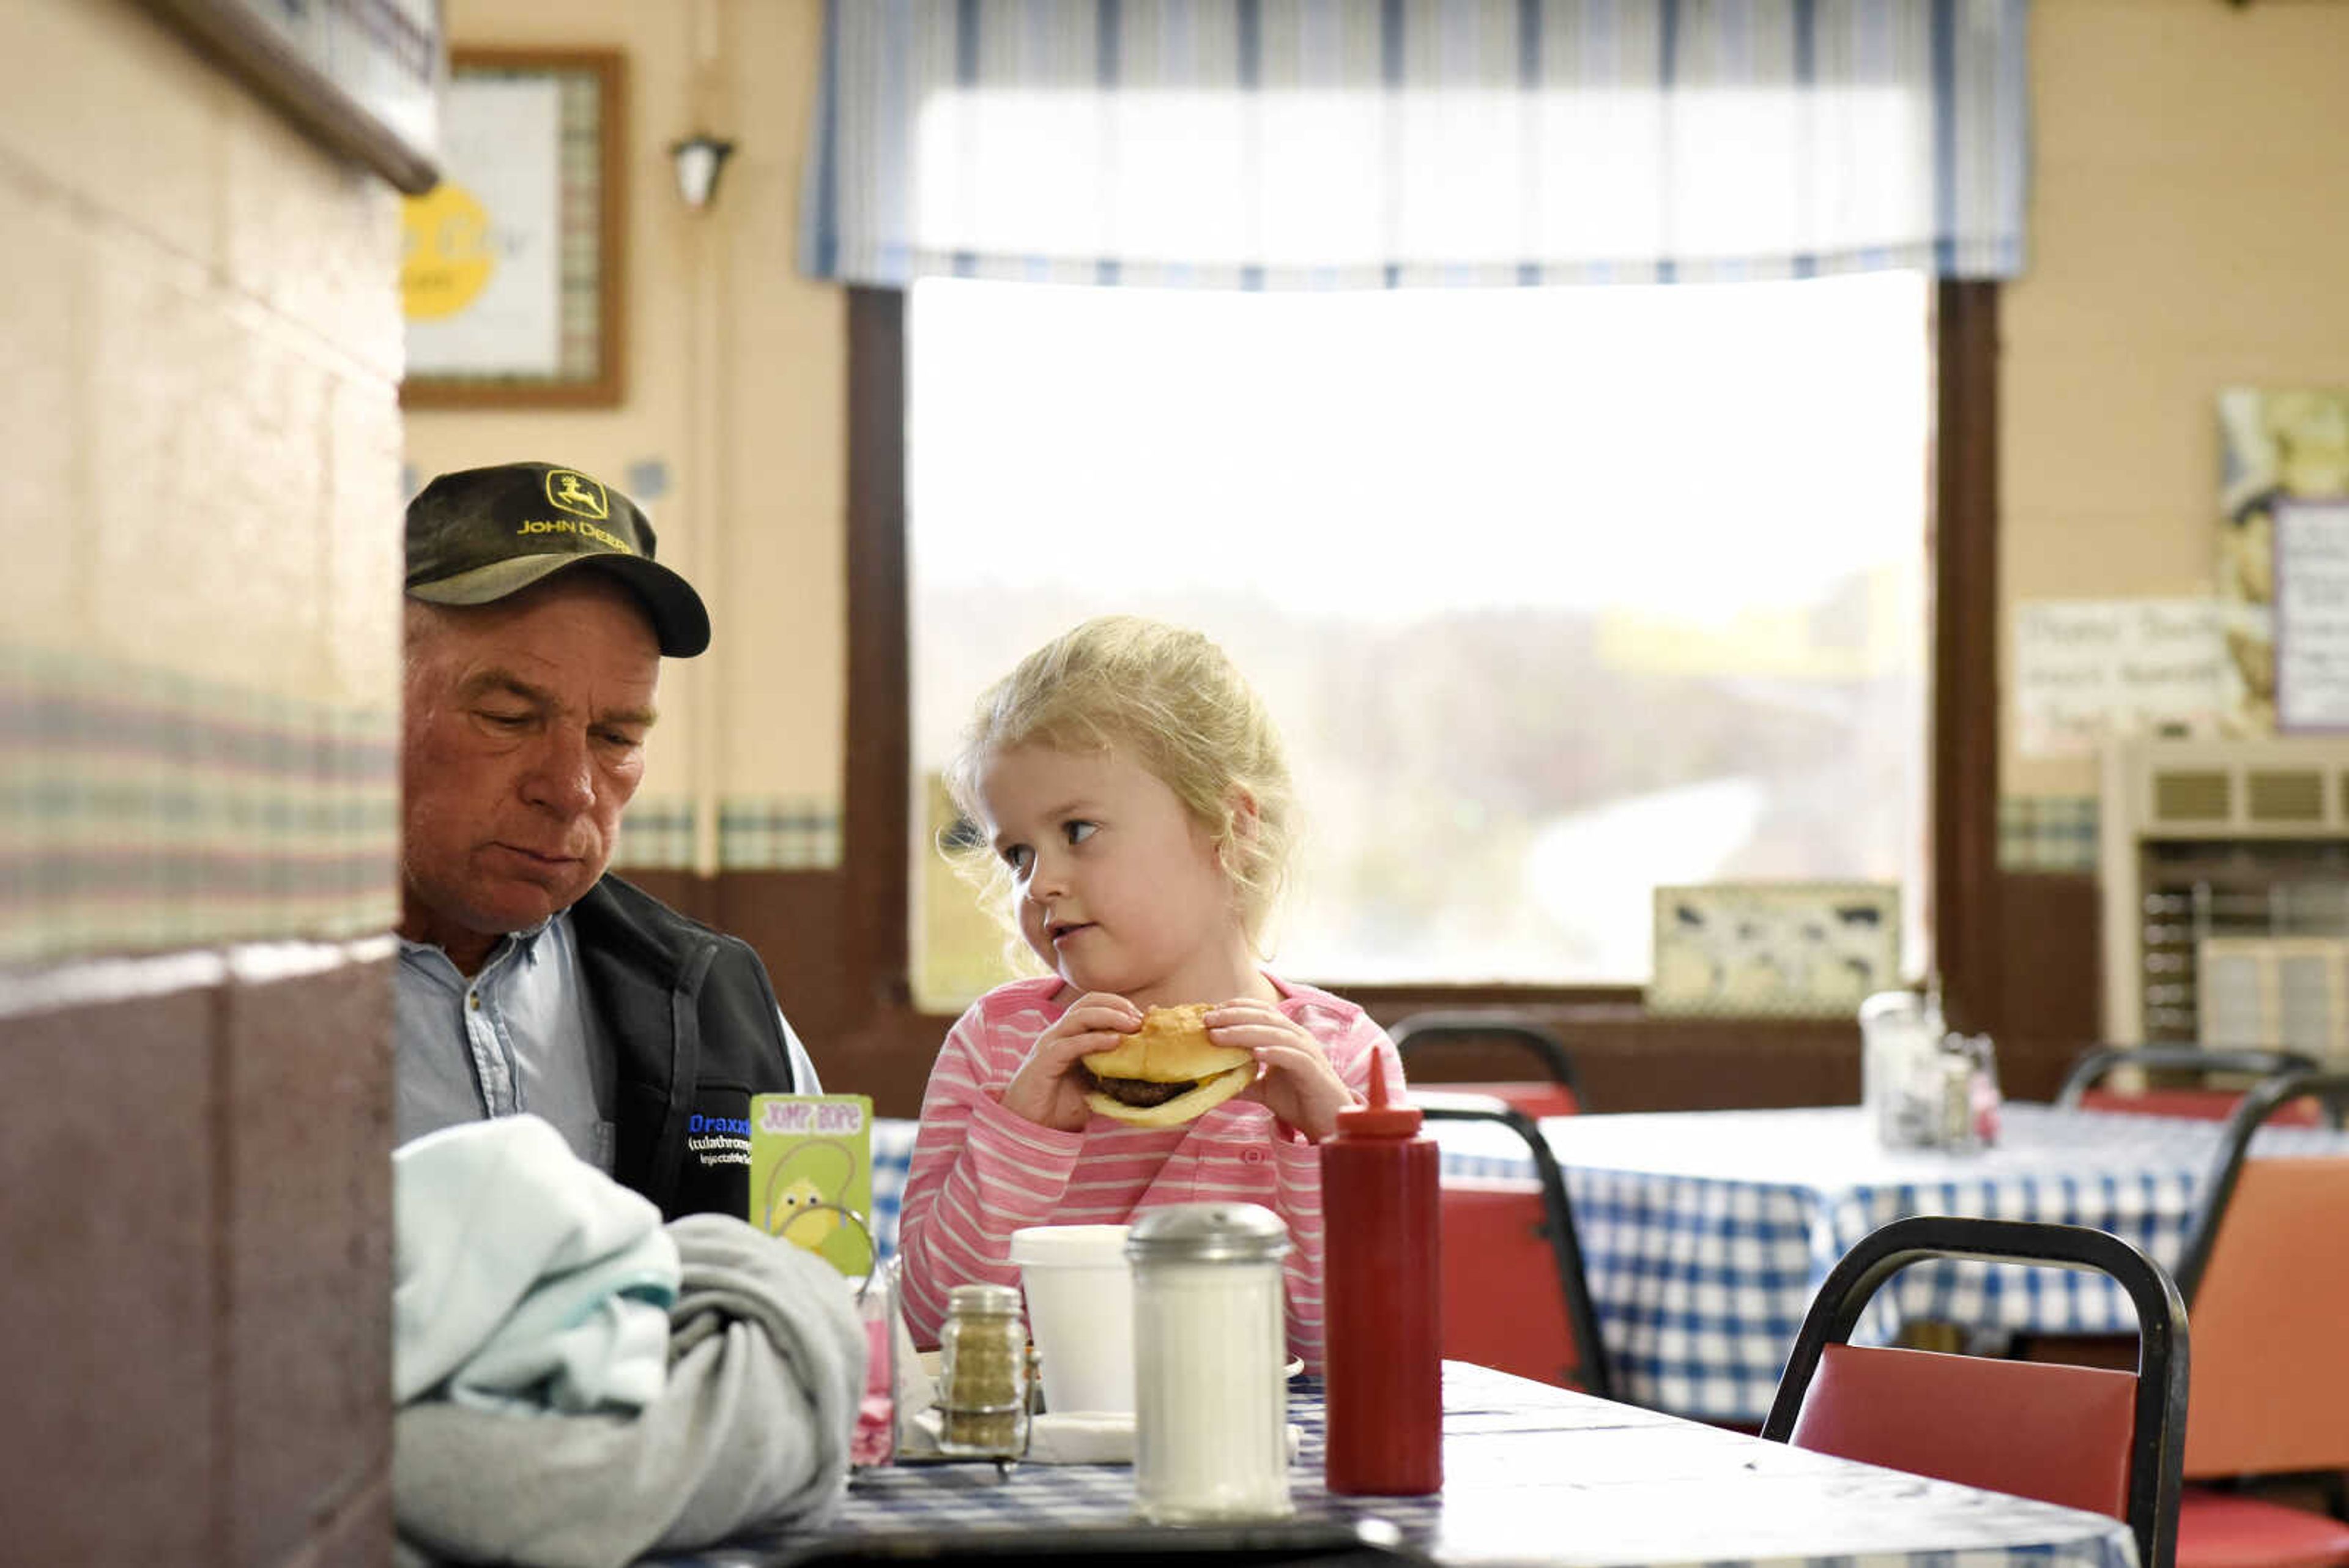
{"type": "Point", "coordinates": [1557, 594]}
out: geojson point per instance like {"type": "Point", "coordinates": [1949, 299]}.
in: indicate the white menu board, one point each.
{"type": "Point", "coordinates": [2312, 615]}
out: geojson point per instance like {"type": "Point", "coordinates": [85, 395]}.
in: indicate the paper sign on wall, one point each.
{"type": "Point", "coordinates": [2312, 615]}
{"type": "Point", "coordinates": [2087, 668]}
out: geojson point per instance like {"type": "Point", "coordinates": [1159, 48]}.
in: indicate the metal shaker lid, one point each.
{"type": "Point", "coordinates": [982, 1299]}
{"type": "Point", "coordinates": [1207, 1233]}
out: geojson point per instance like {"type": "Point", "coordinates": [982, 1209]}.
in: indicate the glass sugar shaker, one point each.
{"type": "Point", "coordinates": [1211, 1416]}
{"type": "Point", "coordinates": [983, 1374]}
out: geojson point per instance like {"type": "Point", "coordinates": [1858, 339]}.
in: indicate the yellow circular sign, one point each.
{"type": "Point", "coordinates": [445, 257]}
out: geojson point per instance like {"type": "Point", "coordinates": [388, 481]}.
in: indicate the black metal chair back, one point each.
{"type": "Point", "coordinates": [2158, 1446]}
{"type": "Point", "coordinates": [1421, 1030]}
{"type": "Point", "coordinates": [1590, 1371]}
{"type": "Point", "coordinates": [2096, 1063]}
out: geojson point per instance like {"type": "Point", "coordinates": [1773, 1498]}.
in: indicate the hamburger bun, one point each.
{"type": "Point", "coordinates": [1171, 1063]}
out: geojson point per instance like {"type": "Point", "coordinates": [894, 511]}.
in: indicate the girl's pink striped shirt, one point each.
{"type": "Point", "coordinates": [979, 1172]}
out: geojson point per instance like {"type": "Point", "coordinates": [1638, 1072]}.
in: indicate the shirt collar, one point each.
{"type": "Point", "coordinates": [522, 943]}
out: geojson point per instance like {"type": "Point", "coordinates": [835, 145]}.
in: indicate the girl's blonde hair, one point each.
{"type": "Point", "coordinates": [1169, 699]}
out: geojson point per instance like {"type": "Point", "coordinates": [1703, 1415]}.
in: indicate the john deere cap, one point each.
{"type": "Point", "coordinates": [479, 534]}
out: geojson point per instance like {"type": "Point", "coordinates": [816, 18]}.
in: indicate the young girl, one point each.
{"type": "Point", "coordinates": [1130, 789]}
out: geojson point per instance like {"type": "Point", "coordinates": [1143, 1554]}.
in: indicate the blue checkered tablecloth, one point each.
{"type": "Point", "coordinates": [1705, 1233]}
{"type": "Point", "coordinates": [1533, 1473]}
{"type": "Point", "coordinates": [892, 1152]}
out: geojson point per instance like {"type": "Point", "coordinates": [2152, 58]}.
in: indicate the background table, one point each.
{"type": "Point", "coordinates": [892, 1152]}
{"type": "Point", "coordinates": [1535, 1473]}
{"type": "Point", "coordinates": [1705, 1233]}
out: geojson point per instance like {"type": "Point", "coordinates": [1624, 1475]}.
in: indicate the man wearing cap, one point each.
{"type": "Point", "coordinates": [529, 979]}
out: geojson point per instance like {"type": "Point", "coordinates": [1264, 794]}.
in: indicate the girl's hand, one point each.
{"type": "Point", "coordinates": [1050, 1088]}
{"type": "Point", "coordinates": [1294, 1078]}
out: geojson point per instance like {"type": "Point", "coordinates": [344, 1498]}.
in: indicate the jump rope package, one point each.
{"type": "Point", "coordinates": [812, 1175]}
{"type": "Point", "coordinates": [812, 1186]}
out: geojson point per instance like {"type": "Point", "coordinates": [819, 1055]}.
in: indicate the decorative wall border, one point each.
{"type": "Point", "coordinates": [779, 835]}
{"type": "Point", "coordinates": [2047, 833]}
{"type": "Point", "coordinates": [141, 808]}
{"type": "Point", "coordinates": [761, 833]}
{"type": "Point", "coordinates": [656, 835]}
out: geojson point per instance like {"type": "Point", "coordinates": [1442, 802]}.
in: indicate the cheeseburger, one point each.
{"type": "Point", "coordinates": [1167, 1072]}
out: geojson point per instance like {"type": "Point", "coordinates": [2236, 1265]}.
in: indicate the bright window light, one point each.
{"type": "Point", "coordinates": [1557, 594]}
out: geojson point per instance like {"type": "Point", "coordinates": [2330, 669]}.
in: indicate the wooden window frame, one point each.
{"type": "Point", "coordinates": [1963, 807]}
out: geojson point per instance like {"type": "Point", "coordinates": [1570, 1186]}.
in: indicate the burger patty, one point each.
{"type": "Point", "coordinates": [1142, 1092]}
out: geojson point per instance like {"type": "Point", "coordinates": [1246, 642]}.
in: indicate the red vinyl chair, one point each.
{"type": "Point", "coordinates": [2084, 1086]}
{"type": "Point", "coordinates": [2085, 1437]}
{"type": "Point", "coordinates": [1555, 1092]}
{"type": "Point", "coordinates": [2266, 1275]}
{"type": "Point", "coordinates": [1514, 1294]}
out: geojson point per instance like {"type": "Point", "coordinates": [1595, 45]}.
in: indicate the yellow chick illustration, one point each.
{"type": "Point", "coordinates": [2312, 435]}
{"type": "Point", "coordinates": [797, 1219]}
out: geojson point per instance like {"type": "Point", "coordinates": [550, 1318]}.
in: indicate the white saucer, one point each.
{"type": "Point", "coordinates": [930, 1364]}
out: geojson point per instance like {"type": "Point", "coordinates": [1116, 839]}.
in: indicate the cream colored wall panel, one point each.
{"type": "Point", "coordinates": [2043, 776]}
{"type": "Point", "coordinates": [2133, 427]}
{"type": "Point", "coordinates": [311, 238]}
{"type": "Point", "coordinates": [576, 24]}
{"type": "Point", "coordinates": [787, 545]}
{"type": "Point", "coordinates": [44, 272]}
{"type": "Point", "coordinates": [603, 444]}
{"type": "Point", "coordinates": [2208, 257]}
{"type": "Point", "coordinates": [787, 551]}
{"type": "Point", "coordinates": [2171, 83]}
{"type": "Point", "coordinates": [104, 102]}
{"type": "Point", "coordinates": [2089, 432]}
{"type": "Point", "coordinates": [362, 541]}
{"type": "Point", "coordinates": [207, 481]}
{"type": "Point", "coordinates": [2095, 553]}
{"type": "Point", "coordinates": [669, 758]}
{"type": "Point", "coordinates": [676, 517]}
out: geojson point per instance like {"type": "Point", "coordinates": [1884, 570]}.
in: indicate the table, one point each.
{"type": "Point", "coordinates": [1705, 1233]}
{"type": "Point", "coordinates": [1535, 1473]}
{"type": "Point", "coordinates": [893, 1154]}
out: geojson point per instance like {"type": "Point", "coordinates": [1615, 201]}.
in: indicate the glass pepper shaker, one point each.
{"type": "Point", "coordinates": [1211, 1396]}
{"type": "Point", "coordinates": [983, 1374]}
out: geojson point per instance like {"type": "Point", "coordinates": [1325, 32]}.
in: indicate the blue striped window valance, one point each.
{"type": "Point", "coordinates": [1338, 144]}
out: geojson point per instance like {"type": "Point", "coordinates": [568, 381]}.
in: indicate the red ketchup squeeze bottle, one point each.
{"type": "Point", "coordinates": [1384, 1371]}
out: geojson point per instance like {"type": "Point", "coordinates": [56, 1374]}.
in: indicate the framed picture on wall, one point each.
{"type": "Point", "coordinates": [1788, 949]}
{"type": "Point", "coordinates": [2278, 447]}
{"type": "Point", "coordinates": [513, 270]}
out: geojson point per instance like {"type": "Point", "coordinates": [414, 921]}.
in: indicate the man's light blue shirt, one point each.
{"type": "Point", "coordinates": [518, 1036]}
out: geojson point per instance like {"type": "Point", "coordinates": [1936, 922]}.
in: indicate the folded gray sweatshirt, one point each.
{"type": "Point", "coordinates": [766, 1364]}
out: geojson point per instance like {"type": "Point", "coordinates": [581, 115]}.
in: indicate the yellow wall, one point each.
{"type": "Point", "coordinates": [734, 383]}
{"type": "Point", "coordinates": [2187, 234]}
{"type": "Point", "coordinates": [199, 474]}
{"type": "Point", "coordinates": [201, 369]}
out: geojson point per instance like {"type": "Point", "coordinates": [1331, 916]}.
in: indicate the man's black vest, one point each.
{"type": "Point", "coordinates": [694, 1021]}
